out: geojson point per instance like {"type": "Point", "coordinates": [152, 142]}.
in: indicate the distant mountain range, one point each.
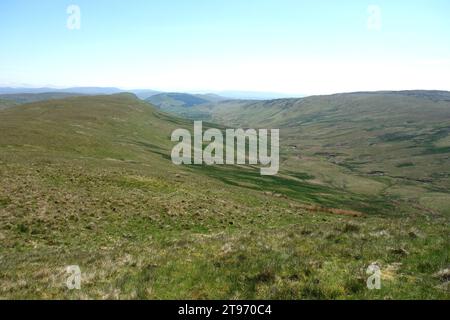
{"type": "Point", "coordinates": [33, 97]}
{"type": "Point", "coordinates": [257, 95]}
{"type": "Point", "coordinates": [141, 93]}
{"type": "Point", "coordinates": [84, 90]}
{"type": "Point", "coordinates": [171, 102]}
{"type": "Point", "coordinates": [147, 93]}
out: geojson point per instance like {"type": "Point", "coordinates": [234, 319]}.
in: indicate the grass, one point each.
{"type": "Point", "coordinates": [341, 140]}
{"type": "Point", "coordinates": [87, 181]}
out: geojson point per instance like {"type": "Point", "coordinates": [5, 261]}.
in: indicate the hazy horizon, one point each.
{"type": "Point", "coordinates": [233, 94]}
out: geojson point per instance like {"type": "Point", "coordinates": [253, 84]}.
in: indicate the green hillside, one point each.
{"type": "Point", "coordinates": [394, 144]}
{"type": "Point", "coordinates": [88, 181]}
{"type": "Point", "coordinates": [6, 104]}
{"type": "Point", "coordinates": [184, 104]}
{"type": "Point", "coordinates": [21, 98]}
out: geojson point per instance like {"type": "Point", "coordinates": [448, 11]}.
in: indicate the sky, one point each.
{"type": "Point", "coordinates": [284, 46]}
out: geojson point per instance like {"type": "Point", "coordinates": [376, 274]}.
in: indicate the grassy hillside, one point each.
{"type": "Point", "coordinates": [183, 103]}
{"type": "Point", "coordinates": [6, 104]}
{"type": "Point", "coordinates": [88, 181]}
{"type": "Point", "coordinates": [21, 98]}
{"type": "Point", "coordinates": [393, 144]}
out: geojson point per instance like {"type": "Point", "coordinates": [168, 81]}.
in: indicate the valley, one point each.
{"type": "Point", "coordinates": [382, 143]}
{"type": "Point", "coordinates": [363, 179]}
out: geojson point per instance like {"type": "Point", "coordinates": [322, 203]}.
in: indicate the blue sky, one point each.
{"type": "Point", "coordinates": [286, 46]}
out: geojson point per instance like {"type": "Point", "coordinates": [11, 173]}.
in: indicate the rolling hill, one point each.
{"type": "Point", "coordinates": [22, 98]}
{"type": "Point", "coordinates": [88, 181]}
{"type": "Point", "coordinates": [183, 103]}
{"type": "Point", "coordinates": [390, 143]}
{"type": "Point", "coordinates": [66, 92]}
{"type": "Point", "coordinates": [6, 104]}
